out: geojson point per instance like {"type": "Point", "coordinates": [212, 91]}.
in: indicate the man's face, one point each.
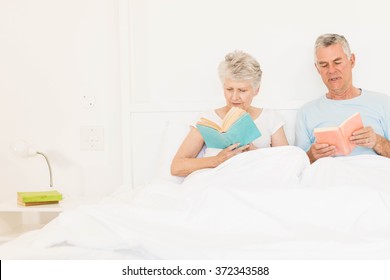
{"type": "Point", "coordinates": [335, 68]}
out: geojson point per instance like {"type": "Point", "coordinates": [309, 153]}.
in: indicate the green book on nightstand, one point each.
{"type": "Point", "coordinates": [46, 196]}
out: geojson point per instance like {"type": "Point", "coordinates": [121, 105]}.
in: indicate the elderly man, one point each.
{"type": "Point", "coordinates": [334, 62]}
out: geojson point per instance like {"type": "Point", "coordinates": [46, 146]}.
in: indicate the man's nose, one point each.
{"type": "Point", "coordinates": [331, 68]}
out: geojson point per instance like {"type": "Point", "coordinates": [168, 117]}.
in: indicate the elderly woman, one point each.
{"type": "Point", "coordinates": [240, 75]}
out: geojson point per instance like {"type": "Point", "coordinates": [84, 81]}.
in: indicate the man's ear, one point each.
{"type": "Point", "coordinates": [352, 59]}
{"type": "Point", "coordinates": [318, 70]}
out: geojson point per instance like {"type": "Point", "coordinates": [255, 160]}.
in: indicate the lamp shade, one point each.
{"type": "Point", "coordinates": [23, 149]}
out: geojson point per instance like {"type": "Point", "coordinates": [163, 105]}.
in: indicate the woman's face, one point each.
{"type": "Point", "coordinates": [239, 93]}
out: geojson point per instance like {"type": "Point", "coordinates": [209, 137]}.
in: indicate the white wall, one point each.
{"type": "Point", "coordinates": [161, 52]}
{"type": "Point", "coordinates": [52, 53]}
{"type": "Point", "coordinates": [177, 45]}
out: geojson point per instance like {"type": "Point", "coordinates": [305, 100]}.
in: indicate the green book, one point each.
{"type": "Point", "coordinates": [240, 128]}
{"type": "Point", "coordinates": [39, 196]}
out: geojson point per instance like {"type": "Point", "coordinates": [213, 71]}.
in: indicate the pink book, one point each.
{"type": "Point", "coordinates": [339, 136]}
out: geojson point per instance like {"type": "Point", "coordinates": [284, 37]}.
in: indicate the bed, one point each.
{"type": "Point", "coordinates": [264, 204]}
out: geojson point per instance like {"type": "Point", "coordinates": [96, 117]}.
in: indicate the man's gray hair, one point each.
{"type": "Point", "coordinates": [240, 66]}
{"type": "Point", "coordinates": [327, 40]}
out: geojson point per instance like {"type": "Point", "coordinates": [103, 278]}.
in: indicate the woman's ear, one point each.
{"type": "Point", "coordinates": [257, 90]}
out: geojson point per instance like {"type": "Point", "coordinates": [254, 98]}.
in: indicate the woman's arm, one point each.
{"type": "Point", "coordinates": [279, 138]}
{"type": "Point", "coordinates": [185, 161]}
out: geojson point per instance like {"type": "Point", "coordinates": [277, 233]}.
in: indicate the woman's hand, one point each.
{"type": "Point", "coordinates": [230, 151]}
{"type": "Point", "coordinates": [251, 147]}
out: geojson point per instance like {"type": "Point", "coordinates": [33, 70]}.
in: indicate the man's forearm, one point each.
{"type": "Point", "coordinates": [382, 146]}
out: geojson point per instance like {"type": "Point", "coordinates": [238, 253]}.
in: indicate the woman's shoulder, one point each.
{"type": "Point", "coordinates": [269, 114]}
{"type": "Point", "coordinates": [210, 114]}
{"type": "Point", "coordinates": [269, 111]}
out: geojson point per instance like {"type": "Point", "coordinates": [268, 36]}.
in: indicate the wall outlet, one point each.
{"type": "Point", "coordinates": [92, 138]}
{"type": "Point", "coordinates": [88, 101]}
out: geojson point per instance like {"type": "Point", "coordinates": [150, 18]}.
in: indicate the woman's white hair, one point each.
{"type": "Point", "coordinates": [240, 66]}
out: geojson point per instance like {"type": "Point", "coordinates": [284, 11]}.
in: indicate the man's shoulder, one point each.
{"type": "Point", "coordinates": [310, 104]}
{"type": "Point", "coordinates": [375, 94]}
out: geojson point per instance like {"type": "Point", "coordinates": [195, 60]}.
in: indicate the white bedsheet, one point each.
{"type": "Point", "coordinates": [265, 204]}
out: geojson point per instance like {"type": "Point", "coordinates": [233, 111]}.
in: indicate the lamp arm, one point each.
{"type": "Point", "coordinates": [48, 164]}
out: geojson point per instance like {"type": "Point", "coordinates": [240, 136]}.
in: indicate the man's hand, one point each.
{"type": "Point", "coordinates": [365, 137]}
{"type": "Point", "coordinates": [318, 151]}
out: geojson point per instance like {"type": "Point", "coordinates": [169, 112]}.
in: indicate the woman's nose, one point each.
{"type": "Point", "coordinates": [235, 95]}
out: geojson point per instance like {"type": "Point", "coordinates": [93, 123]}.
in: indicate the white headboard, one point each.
{"type": "Point", "coordinates": [147, 126]}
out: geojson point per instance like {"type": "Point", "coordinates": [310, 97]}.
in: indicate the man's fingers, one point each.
{"type": "Point", "coordinates": [327, 149]}
{"type": "Point", "coordinates": [319, 146]}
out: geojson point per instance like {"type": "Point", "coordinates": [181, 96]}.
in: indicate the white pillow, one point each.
{"type": "Point", "coordinates": [173, 136]}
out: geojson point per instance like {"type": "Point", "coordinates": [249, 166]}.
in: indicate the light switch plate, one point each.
{"type": "Point", "coordinates": [92, 138]}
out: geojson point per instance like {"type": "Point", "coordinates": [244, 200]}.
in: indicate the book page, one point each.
{"type": "Point", "coordinates": [209, 123]}
{"type": "Point", "coordinates": [231, 117]}
{"type": "Point", "coordinates": [351, 124]}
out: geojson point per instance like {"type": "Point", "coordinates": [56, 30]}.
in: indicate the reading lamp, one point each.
{"type": "Point", "coordinates": [24, 150]}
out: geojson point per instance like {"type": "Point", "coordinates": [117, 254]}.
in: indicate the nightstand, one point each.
{"type": "Point", "coordinates": [16, 219]}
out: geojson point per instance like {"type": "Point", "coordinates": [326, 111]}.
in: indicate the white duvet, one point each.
{"type": "Point", "coordinates": [265, 204]}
